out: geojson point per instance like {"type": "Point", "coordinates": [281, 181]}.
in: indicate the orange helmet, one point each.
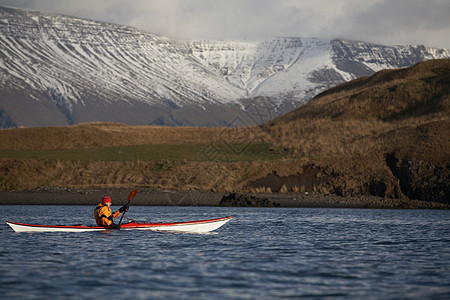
{"type": "Point", "coordinates": [106, 199]}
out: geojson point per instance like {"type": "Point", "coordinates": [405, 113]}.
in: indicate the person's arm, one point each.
{"type": "Point", "coordinates": [121, 210]}
{"type": "Point", "coordinates": [116, 214]}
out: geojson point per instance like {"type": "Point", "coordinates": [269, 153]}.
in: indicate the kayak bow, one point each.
{"type": "Point", "coordinates": [191, 226]}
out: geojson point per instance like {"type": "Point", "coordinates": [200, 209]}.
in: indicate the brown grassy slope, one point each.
{"type": "Point", "coordinates": [389, 95]}
{"type": "Point", "coordinates": [388, 134]}
{"type": "Point", "coordinates": [85, 155]}
{"type": "Point", "coordinates": [102, 135]}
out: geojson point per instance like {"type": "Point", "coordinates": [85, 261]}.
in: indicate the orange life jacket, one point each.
{"type": "Point", "coordinates": [104, 216]}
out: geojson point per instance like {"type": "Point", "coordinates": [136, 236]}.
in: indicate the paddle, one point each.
{"type": "Point", "coordinates": [130, 196]}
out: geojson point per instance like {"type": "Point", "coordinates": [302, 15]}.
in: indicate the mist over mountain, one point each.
{"type": "Point", "coordinates": [57, 70]}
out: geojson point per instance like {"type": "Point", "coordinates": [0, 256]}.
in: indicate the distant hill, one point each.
{"type": "Point", "coordinates": [389, 95]}
{"type": "Point", "coordinates": [58, 70]}
{"type": "Point", "coordinates": [387, 134]}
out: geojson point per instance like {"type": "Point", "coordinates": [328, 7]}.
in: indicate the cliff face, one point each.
{"type": "Point", "coordinates": [420, 179]}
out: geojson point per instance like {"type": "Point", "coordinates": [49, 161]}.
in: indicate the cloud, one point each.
{"type": "Point", "coordinates": [381, 21]}
{"type": "Point", "coordinates": [403, 21]}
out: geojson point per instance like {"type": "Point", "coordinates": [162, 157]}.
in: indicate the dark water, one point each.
{"type": "Point", "coordinates": [262, 253]}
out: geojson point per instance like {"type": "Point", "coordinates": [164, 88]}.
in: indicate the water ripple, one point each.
{"type": "Point", "coordinates": [262, 253]}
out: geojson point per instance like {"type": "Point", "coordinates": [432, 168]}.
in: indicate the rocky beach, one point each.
{"type": "Point", "coordinates": [149, 197]}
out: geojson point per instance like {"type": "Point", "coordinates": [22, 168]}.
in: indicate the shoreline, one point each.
{"type": "Point", "coordinates": [149, 197]}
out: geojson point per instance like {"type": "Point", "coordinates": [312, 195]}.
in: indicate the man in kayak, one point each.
{"type": "Point", "coordinates": [104, 216]}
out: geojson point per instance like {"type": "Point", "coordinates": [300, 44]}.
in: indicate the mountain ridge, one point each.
{"type": "Point", "coordinates": [60, 70]}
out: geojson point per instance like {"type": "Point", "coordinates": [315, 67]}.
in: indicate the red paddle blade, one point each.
{"type": "Point", "coordinates": [132, 194]}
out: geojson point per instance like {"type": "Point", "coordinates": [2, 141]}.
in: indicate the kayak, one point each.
{"type": "Point", "coordinates": [191, 226]}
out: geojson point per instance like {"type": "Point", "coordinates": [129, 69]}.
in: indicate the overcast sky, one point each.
{"type": "Point", "coordinates": [381, 21]}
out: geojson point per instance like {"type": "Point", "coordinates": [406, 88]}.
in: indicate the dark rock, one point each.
{"type": "Point", "coordinates": [421, 180]}
{"type": "Point", "coordinates": [311, 177]}
{"type": "Point", "coordinates": [242, 200]}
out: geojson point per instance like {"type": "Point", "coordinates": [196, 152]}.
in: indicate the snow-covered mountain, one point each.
{"type": "Point", "coordinates": [60, 70]}
{"type": "Point", "coordinates": [297, 68]}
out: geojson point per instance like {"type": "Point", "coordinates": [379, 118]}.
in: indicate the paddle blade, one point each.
{"type": "Point", "coordinates": [132, 194]}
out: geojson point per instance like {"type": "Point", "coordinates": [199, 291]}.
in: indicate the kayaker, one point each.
{"type": "Point", "coordinates": [104, 216]}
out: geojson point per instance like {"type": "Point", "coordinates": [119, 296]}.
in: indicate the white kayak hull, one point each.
{"type": "Point", "coordinates": [191, 226]}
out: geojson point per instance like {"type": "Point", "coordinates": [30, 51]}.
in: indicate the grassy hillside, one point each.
{"type": "Point", "coordinates": [386, 135]}
{"type": "Point", "coordinates": [107, 155]}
